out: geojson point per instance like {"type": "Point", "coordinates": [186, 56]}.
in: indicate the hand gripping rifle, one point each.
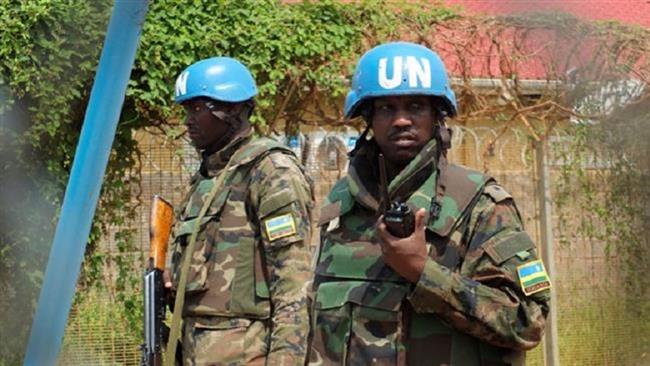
{"type": "Point", "coordinates": [162, 214]}
{"type": "Point", "coordinates": [398, 216]}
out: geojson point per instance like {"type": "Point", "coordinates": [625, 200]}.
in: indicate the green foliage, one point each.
{"type": "Point", "coordinates": [48, 52]}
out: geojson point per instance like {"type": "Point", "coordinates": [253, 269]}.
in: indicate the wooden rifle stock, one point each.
{"type": "Point", "coordinates": [162, 216]}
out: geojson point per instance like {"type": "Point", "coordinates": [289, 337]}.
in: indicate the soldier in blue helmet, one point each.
{"type": "Point", "coordinates": [438, 273]}
{"type": "Point", "coordinates": [240, 258]}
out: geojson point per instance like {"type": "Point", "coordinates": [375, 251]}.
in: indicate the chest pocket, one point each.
{"type": "Point", "coordinates": [198, 271]}
{"type": "Point", "coordinates": [231, 264]}
{"type": "Point", "coordinates": [357, 308]}
{"type": "Point", "coordinates": [358, 322]}
{"type": "Point", "coordinates": [226, 275]}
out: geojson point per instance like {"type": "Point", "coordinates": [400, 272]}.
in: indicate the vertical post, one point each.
{"type": "Point", "coordinates": [551, 348]}
{"type": "Point", "coordinates": [82, 192]}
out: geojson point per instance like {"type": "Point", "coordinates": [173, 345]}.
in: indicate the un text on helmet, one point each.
{"type": "Point", "coordinates": [419, 72]}
{"type": "Point", "coordinates": [181, 83]}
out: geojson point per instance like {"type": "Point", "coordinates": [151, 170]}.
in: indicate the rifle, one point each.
{"type": "Point", "coordinates": [162, 214]}
{"type": "Point", "coordinates": [398, 216]}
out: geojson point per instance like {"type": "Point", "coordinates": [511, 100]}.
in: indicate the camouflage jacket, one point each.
{"type": "Point", "coordinates": [468, 307]}
{"type": "Point", "coordinates": [252, 257]}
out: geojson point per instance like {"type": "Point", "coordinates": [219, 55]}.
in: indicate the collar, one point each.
{"type": "Point", "coordinates": [363, 174]}
{"type": "Point", "coordinates": [212, 164]}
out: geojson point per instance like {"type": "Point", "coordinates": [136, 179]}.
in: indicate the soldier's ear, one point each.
{"type": "Point", "coordinates": [365, 111]}
{"type": "Point", "coordinates": [247, 109]}
{"type": "Point", "coordinates": [439, 110]}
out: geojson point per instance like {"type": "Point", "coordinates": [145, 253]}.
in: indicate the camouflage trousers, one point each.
{"type": "Point", "coordinates": [224, 341]}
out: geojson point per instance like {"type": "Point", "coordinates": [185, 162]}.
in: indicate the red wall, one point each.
{"type": "Point", "coordinates": [626, 11]}
{"type": "Point", "coordinates": [558, 54]}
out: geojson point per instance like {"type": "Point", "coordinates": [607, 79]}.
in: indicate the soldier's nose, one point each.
{"type": "Point", "coordinates": [402, 120]}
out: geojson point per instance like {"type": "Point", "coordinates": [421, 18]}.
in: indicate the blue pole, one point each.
{"type": "Point", "coordinates": [82, 192]}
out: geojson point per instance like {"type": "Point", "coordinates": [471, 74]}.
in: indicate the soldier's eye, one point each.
{"type": "Point", "coordinates": [384, 108]}
{"type": "Point", "coordinates": [417, 106]}
{"type": "Point", "coordinates": [192, 108]}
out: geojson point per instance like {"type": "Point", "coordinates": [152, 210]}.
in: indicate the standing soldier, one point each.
{"type": "Point", "coordinates": [245, 226]}
{"type": "Point", "coordinates": [463, 286]}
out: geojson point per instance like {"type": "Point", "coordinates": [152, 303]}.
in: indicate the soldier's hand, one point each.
{"type": "Point", "coordinates": [406, 256]}
{"type": "Point", "coordinates": [167, 279]}
{"type": "Point", "coordinates": [168, 292]}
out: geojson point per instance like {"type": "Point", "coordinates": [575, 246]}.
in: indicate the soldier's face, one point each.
{"type": "Point", "coordinates": [402, 126]}
{"type": "Point", "coordinates": [203, 127]}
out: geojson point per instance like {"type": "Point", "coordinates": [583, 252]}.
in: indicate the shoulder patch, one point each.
{"type": "Point", "coordinates": [496, 192]}
{"type": "Point", "coordinates": [533, 277]}
{"type": "Point", "coordinates": [280, 226]}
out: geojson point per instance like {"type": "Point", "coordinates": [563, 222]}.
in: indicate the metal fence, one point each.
{"type": "Point", "coordinates": [594, 326]}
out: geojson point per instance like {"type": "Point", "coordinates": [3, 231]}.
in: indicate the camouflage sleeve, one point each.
{"type": "Point", "coordinates": [283, 200]}
{"type": "Point", "coordinates": [485, 298]}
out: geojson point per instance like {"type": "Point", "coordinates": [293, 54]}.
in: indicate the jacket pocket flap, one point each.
{"type": "Point", "coordinates": [219, 322]}
{"type": "Point", "coordinates": [385, 296]}
{"type": "Point", "coordinates": [354, 260]}
{"type": "Point", "coordinates": [501, 251]}
{"type": "Point", "coordinates": [201, 193]}
{"type": "Point", "coordinates": [187, 227]}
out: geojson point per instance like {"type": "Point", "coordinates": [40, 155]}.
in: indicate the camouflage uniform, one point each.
{"type": "Point", "coordinates": [246, 296]}
{"type": "Point", "coordinates": [467, 308]}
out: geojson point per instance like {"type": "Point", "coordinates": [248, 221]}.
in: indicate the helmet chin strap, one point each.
{"type": "Point", "coordinates": [233, 125]}
{"type": "Point", "coordinates": [360, 141]}
{"type": "Point", "coordinates": [441, 132]}
{"type": "Point", "coordinates": [235, 121]}
{"type": "Point", "coordinates": [444, 136]}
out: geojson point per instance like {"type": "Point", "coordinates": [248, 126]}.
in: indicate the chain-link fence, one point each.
{"type": "Point", "coordinates": [594, 324]}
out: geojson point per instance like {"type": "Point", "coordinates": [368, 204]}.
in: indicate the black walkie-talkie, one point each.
{"type": "Point", "coordinates": [398, 216]}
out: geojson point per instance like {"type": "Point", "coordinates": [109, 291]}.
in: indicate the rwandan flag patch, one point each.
{"type": "Point", "coordinates": [533, 277]}
{"type": "Point", "coordinates": [280, 226]}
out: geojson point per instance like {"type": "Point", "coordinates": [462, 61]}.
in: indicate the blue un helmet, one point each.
{"type": "Point", "coordinates": [220, 78]}
{"type": "Point", "coordinates": [399, 68]}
